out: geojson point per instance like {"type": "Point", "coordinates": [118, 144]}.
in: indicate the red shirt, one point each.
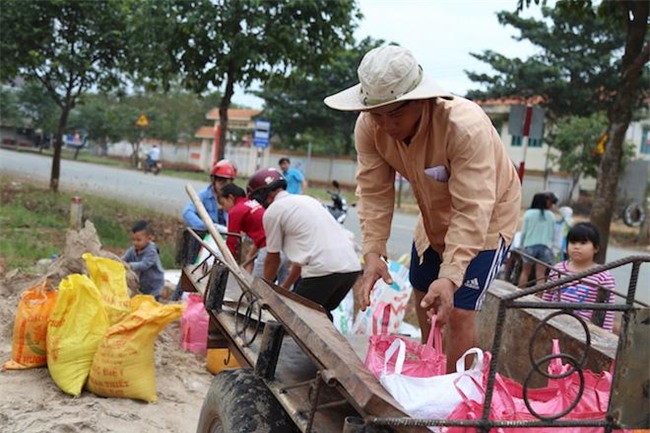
{"type": "Point", "coordinates": [246, 216]}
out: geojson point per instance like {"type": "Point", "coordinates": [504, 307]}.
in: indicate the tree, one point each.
{"type": "Point", "coordinates": [635, 57]}
{"type": "Point", "coordinates": [65, 45]}
{"type": "Point", "coordinates": [616, 86]}
{"type": "Point", "coordinates": [295, 104]}
{"type": "Point", "coordinates": [225, 43]}
{"type": "Point", "coordinates": [577, 139]}
{"type": "Point", "coordinates": [573, 79]}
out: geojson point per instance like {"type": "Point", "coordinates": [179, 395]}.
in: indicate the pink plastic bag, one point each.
{"type": "Point", "coordinates": [422, 360]}
{"type": "Point", "coordinates": [194, 326]}
{"type": "Point", "coordinates": [508, 403]}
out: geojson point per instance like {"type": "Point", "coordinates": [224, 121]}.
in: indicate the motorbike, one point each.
{"type": "Point", "coordinates": [151, 166]}
{"type": "Point", "coordinates": [339, 206]}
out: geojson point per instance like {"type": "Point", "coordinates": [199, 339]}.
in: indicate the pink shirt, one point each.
{"type": "Point", "coordinates": [579, 292]}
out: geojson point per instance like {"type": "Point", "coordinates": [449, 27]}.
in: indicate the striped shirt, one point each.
{"type": "Point", "coordinates": [580, 292]}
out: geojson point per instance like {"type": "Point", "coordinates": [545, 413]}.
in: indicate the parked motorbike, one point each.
{"type": "Point", "coordinates": [339, 206]}
{"type": "Point", "coordinates": [151, 166]}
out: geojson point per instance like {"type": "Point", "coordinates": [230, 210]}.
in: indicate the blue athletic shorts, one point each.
{"type": "Point", "coordinates": [479, 274]}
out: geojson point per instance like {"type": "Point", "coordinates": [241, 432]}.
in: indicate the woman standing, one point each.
{"type": "Point", "coordinates": [537, 236]}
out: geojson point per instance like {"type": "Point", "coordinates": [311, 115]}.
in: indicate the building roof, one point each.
{"type": "Point", "coordinates": [204, 132]}
{"type": "Point", "coordinates": [511, 100]}
{"type": "Point", "coordinates": [234, 113]}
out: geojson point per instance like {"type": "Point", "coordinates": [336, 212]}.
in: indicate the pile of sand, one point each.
{"type": "Point", "coordinates": [30, 401]}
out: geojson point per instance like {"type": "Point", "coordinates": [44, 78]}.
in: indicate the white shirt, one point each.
{"type": "Point", "coordinates": [300, 226]}
{"type": "Point", "coordinates": [154, 153]}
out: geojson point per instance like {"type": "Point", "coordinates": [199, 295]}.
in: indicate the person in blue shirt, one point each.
{"type": "Point", "coordinates": [144, 259]}
{"type": "Point", "coordinates": [223, 173]}
{"type": "Point", "coordinates": [296, 182]}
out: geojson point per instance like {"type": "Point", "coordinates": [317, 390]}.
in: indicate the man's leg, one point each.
{"type": "Point", "coordinates": [460, 335]}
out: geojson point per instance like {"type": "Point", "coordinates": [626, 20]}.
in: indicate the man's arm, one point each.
{"type": "Point", "coordinates": [376, 192]}
{"type": "Point", "coordinates": [294, 274]}
{"type": "Point", "coordinates": [271, 266]}
{"type": "Point", "coordinates": [191, 217]}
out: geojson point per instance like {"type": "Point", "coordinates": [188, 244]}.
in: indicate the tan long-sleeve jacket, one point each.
{"type": "Point", "coordinates": [469, 195]}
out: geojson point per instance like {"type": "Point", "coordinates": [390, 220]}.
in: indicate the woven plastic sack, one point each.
{"type": "Point", "coordinates": [76, 327]}
{"type": "Point", "coordinates": [28, 343]}
{"type": "Point", "coordinates": [194, 325]}
{"type": "Point", "coordinates": [110, 278]}
{"type": "Point", "coordinates": [123, 365]}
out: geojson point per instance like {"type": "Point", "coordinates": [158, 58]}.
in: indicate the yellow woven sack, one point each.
{"type": "Point", "coordinates": [76, 328]}
{"type": "Point", "coordinates": [124, 364]}
{"type": "Point", "coordinates": [28, 347]}
{"type": "Point", "coordinates": [110, 278]}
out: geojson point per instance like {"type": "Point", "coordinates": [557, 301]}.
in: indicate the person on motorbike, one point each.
{"type": "Point", "coordinates": [317, 246]}
{"type": "Point", "coordinates": [152, 158]}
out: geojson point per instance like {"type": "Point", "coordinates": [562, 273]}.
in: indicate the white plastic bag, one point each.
{"type": "Point", "coordinates": [432, 397]}
{"type": "Point", "coordinates": [396, 295]}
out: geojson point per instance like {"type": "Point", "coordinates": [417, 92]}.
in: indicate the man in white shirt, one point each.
{"type": "Point", "coordinates": [318, 247]}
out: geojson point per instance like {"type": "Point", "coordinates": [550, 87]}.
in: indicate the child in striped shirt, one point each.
{"type": "Point", "coordinates": [583, 242]}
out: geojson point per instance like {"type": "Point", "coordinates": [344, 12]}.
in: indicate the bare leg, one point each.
{"type": "Point", "coordinates": [525, 272]}
{"type": "Point", "coordinates": [540, 273]}
{"type": "Point", "coordinates": [423, 318]}
{"type": "Point", "coordinates": [460, 335]}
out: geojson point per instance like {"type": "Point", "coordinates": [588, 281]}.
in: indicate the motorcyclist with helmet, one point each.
{"type": "Point", "coordinates": [222, 173]}
{"type": "Point", "coordinates": [318, 247]}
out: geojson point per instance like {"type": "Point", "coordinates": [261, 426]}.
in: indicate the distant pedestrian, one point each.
{"type": "Point", "coordinates": [583, 242]}
{"type": "Point", "coordinates": [144, 259]}
{"type": "Point", "coordinates": [537, 235]}
{"type": "Point", "coordinates": [296, 181]}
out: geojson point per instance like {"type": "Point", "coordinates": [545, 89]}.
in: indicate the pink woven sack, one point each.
{"type": "Point", "coordinates": [422, 360]}
{"type": "Point", "coordinates": [194, 326]}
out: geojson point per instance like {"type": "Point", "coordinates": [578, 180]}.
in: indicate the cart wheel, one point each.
{"type": "Point", "coordinates": [239, 402]}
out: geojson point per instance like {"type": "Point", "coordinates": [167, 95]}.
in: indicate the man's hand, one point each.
{"type": "Point", "coordinates": [440, 299]}
{"type": "Point", "coordinates": [374, 269]}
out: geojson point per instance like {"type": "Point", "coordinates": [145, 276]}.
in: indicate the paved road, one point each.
{"type": "Point", "coordinates": [167, 194]}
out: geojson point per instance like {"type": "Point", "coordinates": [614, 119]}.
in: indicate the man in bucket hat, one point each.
{"type": "Point", "coordinates": [466, 188]}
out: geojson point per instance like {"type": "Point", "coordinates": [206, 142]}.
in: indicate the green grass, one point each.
{"type": "Point", "coordinates": [33, 223]}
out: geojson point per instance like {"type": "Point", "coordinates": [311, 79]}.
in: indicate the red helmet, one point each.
{"type": "Point", "coordinates": [263, 182]}
{"type": "Point", "coordinates": [224, 169]}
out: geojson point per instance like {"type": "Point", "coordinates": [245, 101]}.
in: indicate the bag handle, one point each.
{"type": "Point", "coordinates": [396, 346]}
{"type": "Point", "coordinates": [435, 336]}
{"type": "Point", "coordinates": [476, 365]}
{"type": "Point", "coordinates": [384, 309]}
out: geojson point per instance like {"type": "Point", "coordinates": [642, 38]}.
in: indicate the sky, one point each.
{"type": "Point", "coordinates": [441, 34]}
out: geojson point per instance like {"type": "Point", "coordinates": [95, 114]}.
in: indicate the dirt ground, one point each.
{"type": "Point", "coordinates": [30, 401]}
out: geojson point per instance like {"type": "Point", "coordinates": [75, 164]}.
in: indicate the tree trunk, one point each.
{"type": "Point", "coordinates": [644, 230]}
{"type": "Point", "coordinates": [223, 109]}
{"type": "Point", "coordinates": [58, 145]}
{"type": "Point", "coordinates": [620, 114]}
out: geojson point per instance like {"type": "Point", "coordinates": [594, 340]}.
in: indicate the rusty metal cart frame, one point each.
{"type": "Point", "coordinates": [353, 400]}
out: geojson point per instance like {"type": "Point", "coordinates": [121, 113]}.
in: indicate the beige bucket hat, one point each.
{"type": "Point", "coordinates": [387, 75]}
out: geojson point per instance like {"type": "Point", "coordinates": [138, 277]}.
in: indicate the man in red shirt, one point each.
{"type": "Point", "coordinates": [245, 216]}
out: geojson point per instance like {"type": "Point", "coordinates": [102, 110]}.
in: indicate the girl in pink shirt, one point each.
{"type": "Point", "coordinates": [583, 242]}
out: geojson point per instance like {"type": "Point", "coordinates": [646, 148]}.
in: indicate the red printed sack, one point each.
{"type": "Point", "coordinates": [422, 360]}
